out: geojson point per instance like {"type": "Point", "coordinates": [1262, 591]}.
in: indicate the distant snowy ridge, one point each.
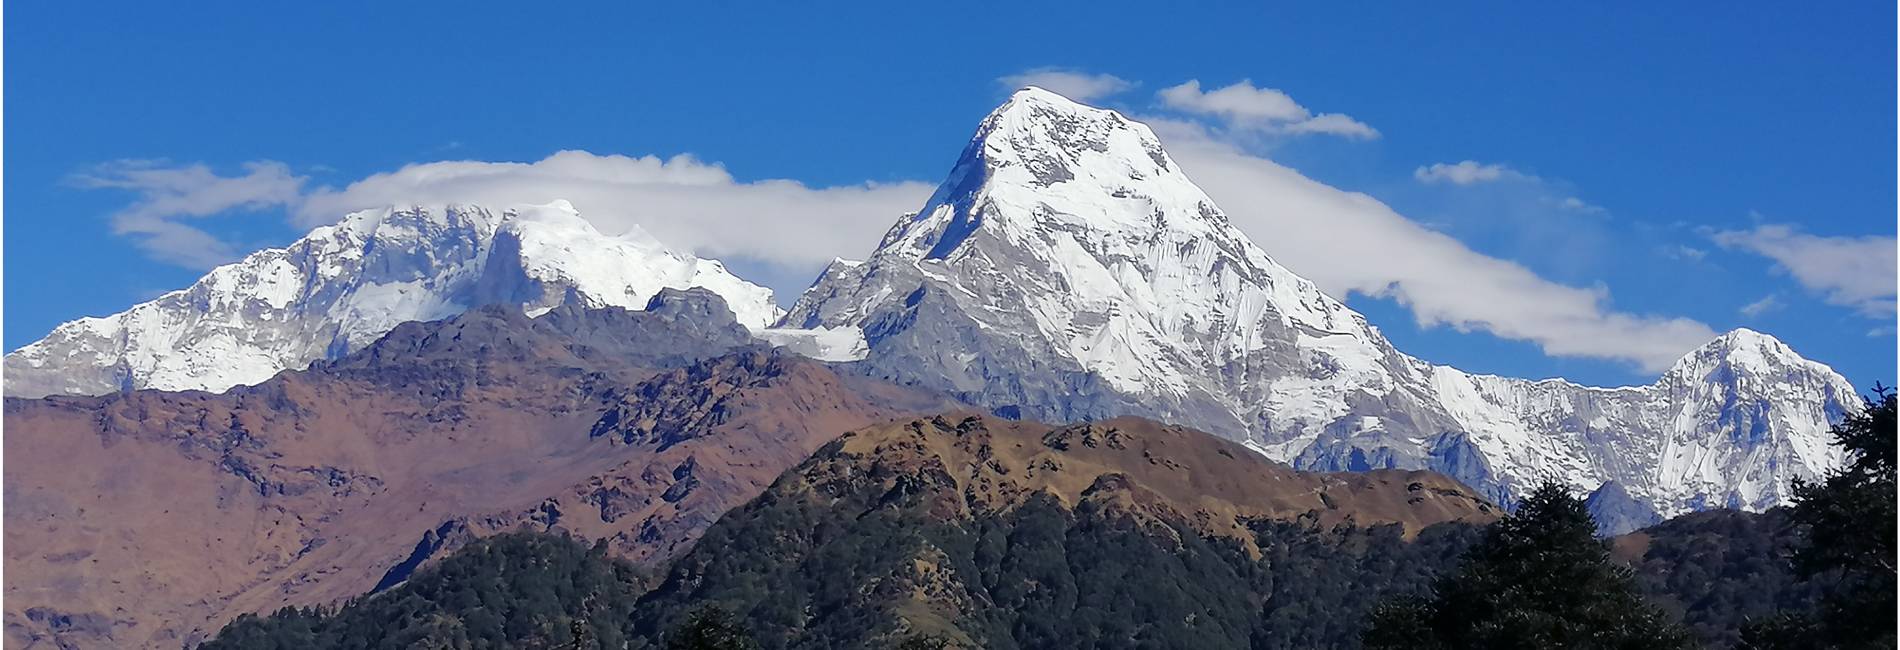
{"type": "Point", "coordinates": [842, 343]}
{"type": "Point", "coordinates": [1731, 424]}
{"type": "Point", "coordinates": [1067, 269]}
{"type": "Point", "coordinates": [342, 286]}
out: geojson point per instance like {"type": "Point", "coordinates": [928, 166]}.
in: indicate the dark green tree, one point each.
{"type": "Point", "coordinates": [710, 628]}
{"type": "Point", "coordinates": [1538, 579]}
{"type": "Point", "coordinates": [925, 642]}
{"type": "Point", "coordinates": [1849, 518]}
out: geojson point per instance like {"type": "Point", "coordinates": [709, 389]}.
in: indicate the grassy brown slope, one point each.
{"type": "Point", "coordinates": [1157, 470]}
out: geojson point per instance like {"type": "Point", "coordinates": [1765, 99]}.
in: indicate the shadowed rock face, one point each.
{"type": "Point", "coordinates": [148, 519]}
{"type": "Point", "coordinates": [1616, 513]}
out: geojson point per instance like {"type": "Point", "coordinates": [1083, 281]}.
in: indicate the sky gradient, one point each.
{"type": "Point", "coordinates": [1729, 168]}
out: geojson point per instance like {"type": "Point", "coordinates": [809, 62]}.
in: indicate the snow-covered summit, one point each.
{"type": "Point", "coordinates": [341, 286]}
{"type": "Point", "coordinates": [1068, 269]}
{"type": "Point", "coordinates": [1741, 350]}
{"type": "Point", "coordinates": [1041, 160]}
{"type": "Point", "coordinates": [1123, 264]}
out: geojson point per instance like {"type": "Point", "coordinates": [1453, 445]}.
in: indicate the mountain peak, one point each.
{"type": "Point", "coordinates": [1041, 163]}
{"type": "Point", "coordinates": [1744, 342]}
{"type": "Point", "coordinates": [1036, 101]}
{"type": "Point", "coordinates": [1071, 225]}
{"type": "Point", "coordinates": [1038, 93]}
{"type": "Point", "coordinates": [1050, 139]}
{"type": "Point", "coordinates": [1742, 336]}
{"type": "Point", "coordinates": [1743, 349]}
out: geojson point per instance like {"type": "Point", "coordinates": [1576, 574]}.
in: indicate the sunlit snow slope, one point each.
{"type": "Point", "coordinates": [342, 286]}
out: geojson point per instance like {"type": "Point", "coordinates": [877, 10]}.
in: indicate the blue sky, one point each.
{"type": "Point", "coordinates": [1683, 162]}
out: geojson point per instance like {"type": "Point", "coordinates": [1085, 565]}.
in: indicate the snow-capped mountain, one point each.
{"type": "Point", "coordinates": [341, 286]}
{"type": "Point", "coordinates": [1731, 424]}
{"type": "Point", "coordinates": [1068, 269]}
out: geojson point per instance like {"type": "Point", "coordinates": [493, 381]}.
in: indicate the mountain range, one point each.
{"type": "Point", "coordinates": [318, 421]}
{"type": "Point", "coordinates": [1067, 269]}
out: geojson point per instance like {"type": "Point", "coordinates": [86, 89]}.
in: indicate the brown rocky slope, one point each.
{"type": "Point", "coordinates": [148, 519]}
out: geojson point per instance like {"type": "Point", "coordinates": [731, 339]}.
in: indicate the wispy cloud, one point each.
{"type": "Point", "coordinates": [1575, 204]}
{"type": "Point", "coordinates": [1684, 253]}
{"type": "Point", "coordinates": [1243, 106]}
{"type": "Point", "coordinates": [1468, 172]}
{"type": "Point", "coordinates": [1310, 227]}
{"type": "Point", "coordinates": [1767, 304]}
{"type": "Point", "coordinates": [166, 196]}
{"type": "Point", "coordinates": [1547, 194]}
{"type": "Point", "coordinates": [1073, 84]}
{"type": "Point", "coordinates": [1855, 272]}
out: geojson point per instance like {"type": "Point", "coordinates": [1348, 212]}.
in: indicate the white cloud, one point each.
{"type": "Point", "coordinates": [1767, 304]}
{"type": "Point", "coordinates": [1243, 106]}
{"type": "Point", "coordinates": [1073, 84]}
{"type": "Point", "coordinates": [166, 195]}
{"type": "Point", "coordinates": [681, 201]}
{"type": "Point", "coordinates": [1469, 172]}
{"type": "Point", "coordinates": [1334, 124]}
{"type": "Point", "coordinates": [1855, 272]}
{"type": "Point", "coordinates": [1348, 242]}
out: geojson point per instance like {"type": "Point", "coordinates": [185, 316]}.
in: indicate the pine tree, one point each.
{"type": "Point", "coordinates": [1849, 519]}
{"type": "Point", "coordinates": [710, 628]}
{"type": "Point", "coordinates": [1539, 579]}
